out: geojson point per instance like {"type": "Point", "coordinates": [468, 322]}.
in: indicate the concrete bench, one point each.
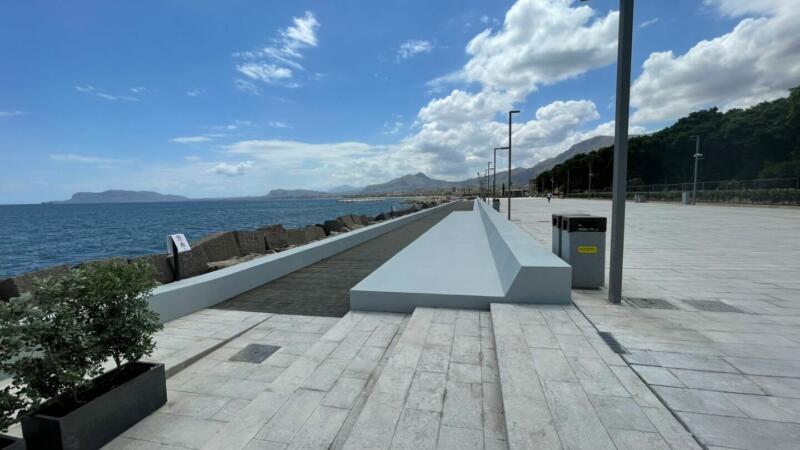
{"type": "Point", "coordinates": [468, 260]}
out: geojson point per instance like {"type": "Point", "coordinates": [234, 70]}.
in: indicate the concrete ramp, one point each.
{"type": "Point", "coordinates": [468, 260]}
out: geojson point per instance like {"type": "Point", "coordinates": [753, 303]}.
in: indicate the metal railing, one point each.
{"type": "Point", "coordinates": [724, 185]}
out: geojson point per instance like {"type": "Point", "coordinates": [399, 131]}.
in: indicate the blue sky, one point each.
{"type": "Point", "coordinates": [206, 98]}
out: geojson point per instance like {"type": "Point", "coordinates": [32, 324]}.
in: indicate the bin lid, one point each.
{"type": "Point", "coordinates": [559, 218]}
{"type": "Point", "coordinates": [583, 223]}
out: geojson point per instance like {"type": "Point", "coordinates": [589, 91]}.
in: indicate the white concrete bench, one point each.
{"type": "Point", "coordinates": [468, 260]}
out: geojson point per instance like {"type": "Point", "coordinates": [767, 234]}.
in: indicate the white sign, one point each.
{"type": "Point", "coordinates": [180, 243]}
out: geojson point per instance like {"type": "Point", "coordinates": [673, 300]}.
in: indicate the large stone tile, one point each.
{"type": "Point", "coordinates": [737, 432]}
{"type": "Point", "coordinates": [578, 425]}
{"type": "Point", "coordinates": [463, 405]}
{"type": "Point", "coordinates": [416, 430]}
{"type": "Point", "coordinates": [451, 438]}
{"type": "Point", "coordinates": [621, 412]}
{"type": "Point", "coordinates": [699, 401]}
{"type": "Point", "coordinates": [427, 391]}
{"type": "Point", "coordinates": [717, 381]}
{"type": "Point", "coordinates": [779, 409]}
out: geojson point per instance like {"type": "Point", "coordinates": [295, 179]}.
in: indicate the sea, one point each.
{"type": "Point", "coordinates": [37, 236]}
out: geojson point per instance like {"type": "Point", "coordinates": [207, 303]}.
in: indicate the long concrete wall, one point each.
{"type": "Point", "coordinates": [183, 297]}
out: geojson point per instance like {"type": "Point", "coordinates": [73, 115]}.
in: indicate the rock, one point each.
{"type": "Point", "coordinates": [100, 262]}
{"type": "Point", "coordinates": [162, 264]}
{"type": "Point", "coordinates": [362, 220]}
{"type": "Point", "coordinates": [348, 221]}
{"type": "Point", "coordinates": [250, 242]}
{"type": "Point", "coordinates": [192, 263]}
{"type": "Point", "coordinates": [335, 226]}
{"type": "Point", "coordinates": [275, 236]}
{"type": "Point", "coordinates": [218, 246]}
{"type": "Point", "coordinates": [216, 265]}
{"type": "Point", "coordinates": [314, 232]}
{"type": "Point", "coordinates": [297, 236]}
{"type": "Point", "coordinates": [16, 286]}
{"type": "Point", "coordinates": [381, 217]}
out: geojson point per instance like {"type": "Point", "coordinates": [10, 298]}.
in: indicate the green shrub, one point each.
{"type": "Point", "coordinates": [59, 337]}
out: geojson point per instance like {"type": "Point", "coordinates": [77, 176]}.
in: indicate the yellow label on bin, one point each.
{"type": "Point", "coordinates": [587, 249]}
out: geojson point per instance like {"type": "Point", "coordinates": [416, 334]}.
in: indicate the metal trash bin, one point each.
{"type": "Point", "coordinates": [496, 204]}
{"type": "Point", "coordinates": [583, 246]}
{"type": "Point", "coordinates": [557, 233]}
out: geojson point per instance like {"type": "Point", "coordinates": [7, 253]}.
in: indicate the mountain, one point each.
{"type": "Point", "coordinates": [520, 175]}
{"type": "Point", "coordinates": [120, 196]}
{"type": "Point", "coordinates": [296, 193]}
{"type": "Point", "coordinates": [408, 184]}
{"type": "Point", "coordinates": [345, 189]}
{"type": "Point", "coordinates": [762, 141]}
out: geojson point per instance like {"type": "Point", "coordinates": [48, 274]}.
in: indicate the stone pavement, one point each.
{"type": "Point", "coordinates": [733, 378]}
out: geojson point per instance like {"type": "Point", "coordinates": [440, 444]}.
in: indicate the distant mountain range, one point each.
{"type": "Point", "coordinates": [120, 196]}
{"type": "Point", "coordinates": [407, 184]}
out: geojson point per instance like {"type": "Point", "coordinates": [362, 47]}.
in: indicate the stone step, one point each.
{"type": "Point", "coordinates": [438, 389]}
{"type": "Point", "coordinates": [563, 387]}
{"type": "Point", "coordinates": [308, 404]}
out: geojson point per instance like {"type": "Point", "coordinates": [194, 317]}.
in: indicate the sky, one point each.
{"type": "Point", "coordinates": [215, 99]}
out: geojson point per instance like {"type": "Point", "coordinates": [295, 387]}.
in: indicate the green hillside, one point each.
{"type": "Point", "coordinates": [759, 142]}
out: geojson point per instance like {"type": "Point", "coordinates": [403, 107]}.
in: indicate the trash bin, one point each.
{"type": "Point", "coordinates": [496, 204]}
{"type": "Point", "coordinates": [640, 198]}
{"type": "Point", "coordinates": [557, 233]}
{"type": "Point", "coordinates": [583, 246]}
{"type": "Point", "coordinates": [685, 198]}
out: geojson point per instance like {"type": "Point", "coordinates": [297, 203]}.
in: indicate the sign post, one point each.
{"type": "Point", "coordinates": [177, 243]}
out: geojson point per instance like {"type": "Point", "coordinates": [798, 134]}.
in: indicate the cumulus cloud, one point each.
{"type": "Point", "coordinates": [11, 113]}
{"type": "Point", "coordinates": [541, 42]}
{"type": "Point", "coordinates": [232, 170]}
{"type": "Point", "coordinates": [759, 60]}
{"type": "Point", "coordinates": [278, 62]}
{"type": "Point", "coordinates": [413, 47]}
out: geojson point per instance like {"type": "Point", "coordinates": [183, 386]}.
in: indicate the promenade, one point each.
{"type": "Point", "coordinates": [710, 357]}
{"type": "Point", "coordinates": [723, 351]}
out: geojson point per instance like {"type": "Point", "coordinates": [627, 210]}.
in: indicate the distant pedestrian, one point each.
{"type": "Point", "coordinates": [549, 196]}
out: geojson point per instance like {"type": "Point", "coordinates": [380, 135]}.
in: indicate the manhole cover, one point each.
{"type": "Point", "coordinates": [713, 306]}
{"type": "Point", "coordinates": [650, 303]}
{"type": "Point", "coordinates": [612, 342]}
{"type": "Point", "coordinates": [254, 353]}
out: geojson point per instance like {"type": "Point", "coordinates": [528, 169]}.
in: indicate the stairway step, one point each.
{"type": "Point", "coordinates": [438, 389]}
{"type": "Point", "coordinates": [307, 404]}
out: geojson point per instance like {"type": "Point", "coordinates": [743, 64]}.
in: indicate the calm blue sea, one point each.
{"type": "Point", "coordinates": [37, 236]}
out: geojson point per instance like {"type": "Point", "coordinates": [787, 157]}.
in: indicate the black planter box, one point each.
{"type": "Point", "coordinates": [11, 443]}
{"type": "Point", "coordinates": [115, 401]}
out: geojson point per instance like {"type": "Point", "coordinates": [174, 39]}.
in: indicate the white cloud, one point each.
{"type": "Point", "coordinates": [393, 127]}
{"type": "Point", "coordinates": [758, 60]}
{"type": "Point", "coordinates": [647, 23]}
{"type": "Point", "coordinates": [72, 157]}
{"type": "Point", "coordinates": [541, 42]}
{"type": "Point", "coordinates": [190, 139]}
{"type": "Point", "coordinates": [232, 170]}
{"type": "Point", "coordinates": [195, 92]}
{"type": "Point", "coordinates": [413, 47]}
{"type": "Point", "coordinates": [89, 89]}
{"type": "Point", "coordinates": [139, 90]}
{"type": "Point", "coordinates": [279, 62]}
{"type": "Point", "coordinates": [12, 113]}
{"type": "Point", "coordinates": [277, 124]}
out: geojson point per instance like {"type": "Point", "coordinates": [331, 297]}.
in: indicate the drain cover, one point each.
{"type": "Point", "coordinates": [254, 353]}
{"type": "Point", "coordinates": [713, 306]}
{"type": "Point", "coordinates": [612, 342]}
{"type": "Point", "coordinates": [650, 303]}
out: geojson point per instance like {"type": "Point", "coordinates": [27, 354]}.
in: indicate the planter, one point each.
{"type": "Point", "coordinates": [11, 443]}
{"type": "Point", "coordinates": [109, 405]}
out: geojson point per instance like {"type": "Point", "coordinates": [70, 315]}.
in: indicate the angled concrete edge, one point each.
{"type": "Point", "coordinates": [183, 297]}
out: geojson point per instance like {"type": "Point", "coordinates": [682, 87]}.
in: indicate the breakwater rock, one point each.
{"type": "Point", "coordinates": [223, 249]}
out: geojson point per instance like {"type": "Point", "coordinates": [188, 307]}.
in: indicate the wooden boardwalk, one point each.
{"type": "Point", "coordinates": [322, 289]}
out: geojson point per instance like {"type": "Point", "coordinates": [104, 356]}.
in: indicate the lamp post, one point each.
{"type": "Point", "coordinates": [509, 161]}
{"type": "Point", "coordinates": [696, 157]}
{"type": "Point", "coordinates": [590, 181]}
{"type": "Point", "coordinates": [488, 171]}
{"type": "Point", "coordinates": [620, 180]}
{"type": "Point", "coordinates": [494, 178]}
{"type": "Point", "coordinates": [480, 185]}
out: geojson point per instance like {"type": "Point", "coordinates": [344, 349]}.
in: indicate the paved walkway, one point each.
{"type": "Point", "coordinates": [732, 377]}
{"type": "Point", "coordinates": [323, 289]}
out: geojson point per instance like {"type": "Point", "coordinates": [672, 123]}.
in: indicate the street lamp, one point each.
{"type": "Point", "coordinates": [509, 161]}
{"type": "Point", "coordinates": [488, 171]}
{"type": "Point", "coordinates": [480, 184]}
{"type": "Point", "coordinates": [590, 181]}
{"type": "Point", "coordinates": [494, 178]}
{"type": "Point", "coordinates": [696, 157]}
{"type": "Point", "coordinates": [620, 181]}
